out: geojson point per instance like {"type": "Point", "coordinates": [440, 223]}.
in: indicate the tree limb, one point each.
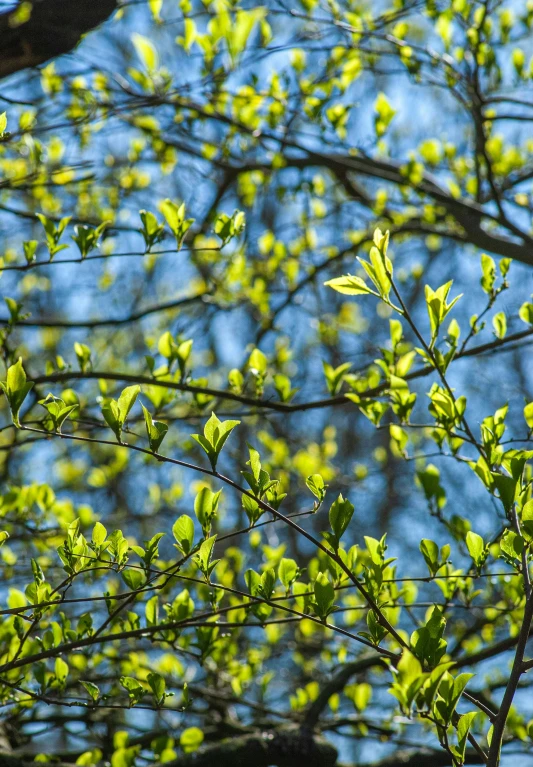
{"type": "Point", "coordinates": [288, 747]}
{"type": "Point", "coordinates": [53, 28]}
{"type": "Point", "coordinates": [424, 757]}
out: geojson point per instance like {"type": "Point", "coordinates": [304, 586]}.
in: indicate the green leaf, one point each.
{"type": "Point", "coordinates": [324, 595]}
{"type": "Point", "coordinates": [175, 217]}
{"type": "Point", "coordinates": [267, 582]}
{"type": "Point", "coordinates": [83, 353]}
{"type": "Point", "coordinates": [463, 728]}
{"type": "Point", "coordinates": [430, 552]}
{"type": "Point", "coordinates": [116, 412]}
{"type": "Point", "coordinates": [216, 433]}
{"type": "Point", "coordinates": [288, 571]}
{"type": "Point", "coordinates": [236, 380]}
{"type": "Point", "coordinates": [380, 267]}
{"type": "Point", "coordinates": [254, 463]}
{"type": "Point", "coordinates": [151, 611]}
{"type": "Point", "coordinates": [158, 686]}
{"type": "Point", "coordinates": [111, 414]}
{"type": "Point", "coordinates": [156, 430]}
{"type": "Point", "coordinates": [526, 313]}
{"type": "Point", "coordinates": [183, 532]}
{"type": "Point", "coordinates": [61, 670]}
{"type": "Point", "coordinates": [99, 534]}
{"type": "Point", "coordinates": [335, 376]}
{"type": "Point", "coordinates": [203, 558]}
{"type": "Point", "coordinates": [511, 545]}
{"type": "Point", "coordinates": [528, 414]}
{"type": "Point", "coordinates": [135, 579]}
{"type": "Point", "coordinates": [57, 410]}
{"type": "Point", "coordinates": [152, 231]}
{"type": "Point", "coordinates": [92, 689]}
{"type": "Point", "coordinates": [350, 286]}
{"type": "Point", "coordinates": [30, 249]}
{"type": "Point", "coordinates": [499, 323]}
{"type": "Point", "coordinates": [438, 307]}
{"type": "Point", "coordinates": [488, 268]}
{"type": "Point", "coordinates": [228, 227]}
{"type": "Point", "coordinates": [476, 548]}
{"type": "Point", "coordinates": [155, 8]}
{"type": "Point", "coordinates": [145, 51]}
{"type": "Point", "coordinates": [316, 485]}
{"type": "Point", "coordinates": [134, 689]}
{"type": "Point", "coordinates": [191, 739]}
{"type": "Point", "coordinates": [86, 237]}
{"type": "Point", "coordinates": [127, 400]}
{"type": "Point", "coordinates": [16, 388]}
{"type": "Point", "coordinates": [257, 362]}
{"type": "Point", "coordinates": [53, 233]}
{"type": "Point", "coordinates": [206, 507]}
{"type": "Point", "coordinates": [252, 509]}
{"type": "Point", "coordinates": [526, 516]}
{"type": "Point", "coordinates": [340, 514]}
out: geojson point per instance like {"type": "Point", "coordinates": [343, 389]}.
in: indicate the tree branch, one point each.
{"type": "Point", "coordinates": [287, 747]}
{"type": "Point", "coordinates": [467, 213]}
{"type": "Point", "coordinates": [133, 317]}
{"type": "Point", "coordinates": [512, 685]}
{"type": "Point", "coordinates": [53, 28]}
{"type": "Point", "coordinates": [270, 404]}
{"type": "Point", "coordinates": [424, 757]}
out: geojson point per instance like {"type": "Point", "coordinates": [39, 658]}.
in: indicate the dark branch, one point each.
{"type": "Point", "coordinates": [133, 317]}
{"type": "Point", "coordinates": [284, 748]}
{"type": "Point", "coordinates": [54, 27]}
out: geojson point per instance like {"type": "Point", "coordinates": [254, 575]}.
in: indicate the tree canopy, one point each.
{"type": "Point", "coordinates": [267, 413]}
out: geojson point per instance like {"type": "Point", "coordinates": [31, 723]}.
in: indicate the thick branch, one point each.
{"type": "Point", "coordinates": [467, 213]}
{"type": "Point", "coordinates": [54, 27]}
{"type": "Point", "coordinates": [284, 748]}
{"type": "Point", "coordinates": [424, 757]}
{"type": "Point", "coordinates": [270, 404]}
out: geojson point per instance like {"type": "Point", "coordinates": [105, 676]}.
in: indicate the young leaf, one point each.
{"type": "Point", "coordinates": [476, 548]}
{"type": "Point", "coordinates": [99, 534]}
{"type": "Point", "coordinates": [115, 412]}
{"type": "Point", "coordinates": [191, 739]}
{"type": "Point", "coordinates": [324, 595]}
{"type": "Point", "coordinates": [175, 217]}
{"type": "Point", "coordinates": [183, 531]}
{"type": "Point", "coordinates": [316, 485]}
{"type": "Point", "coordinates": [16, 387]}
{"type": "Point", "coordinates": [206, 507]}
{"type": "Point", "coordinates": [158, 686]}
{"type": "Point", "coordinates": [350, 286]}
{"type": "Point", "coordinates": [156, 430]}
{"type": "Point", "coordinates": [83, 353]}
{"type": "Point", "coordinates": [127, 400]}
{"type": "Point", "coordinates": [288, 572]}
{"type": "Point", "coordinates": [92, 689]}
{"type": "Point", "coordinates": [134, 689]}
{"type": "Point", "coordinates": [152, 231]}
{"type": "Point", "coordinates": [57, 410]}
{"type": "Point", "coordinates": [203, 558]}
{"type": "Point", "coordinates": [215, 434]}
{"type": "Point", "coordinates": [340, 514]}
